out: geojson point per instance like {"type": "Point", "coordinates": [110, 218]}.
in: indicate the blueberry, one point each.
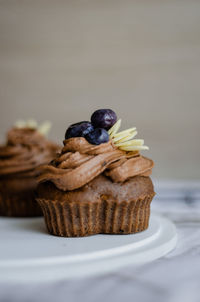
{"type": "Point", "coordinates": [79, 129]}
{"type": "Point", "coordinates": [104, 118]}
{"type": "Point", "coordinates": [98, 136]}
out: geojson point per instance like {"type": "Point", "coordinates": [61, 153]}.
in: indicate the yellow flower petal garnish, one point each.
{"type": "Point", "coordinates": [133, 142]}
{"type": "Point", "coordinates": [124, 139]}
{"type": "Point", "coordinates": [113, 130]}
{"type": "Point", "coordinates": [125, 132]}
{"type": "Point", "coordinates": [32, 124]}
{"type": "Point", "coordinates": [133, 148]}
{"type": "Point", "coordinates": [20, 124]}
{"type": "Point", "coordinates": [44, 128]}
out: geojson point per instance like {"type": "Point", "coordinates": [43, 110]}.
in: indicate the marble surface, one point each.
{"type": "Point", "coordinates": [172, 278]}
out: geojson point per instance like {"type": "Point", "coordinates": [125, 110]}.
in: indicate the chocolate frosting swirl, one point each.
{"type": "Point", "coordinates": [25, 150]}
{"type": "Point", "coordinates": [80, 162]}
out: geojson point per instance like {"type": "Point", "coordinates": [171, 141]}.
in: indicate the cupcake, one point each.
{"type": "Point", "coordinates": [26, 148]}
{"type": "Point", "coordinates": [99, 183]}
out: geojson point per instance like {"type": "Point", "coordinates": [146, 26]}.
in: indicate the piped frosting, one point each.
{"type": "Point", "coordinates": [25, 150]}
{"type": "Point", "coordinates": [80, 162]}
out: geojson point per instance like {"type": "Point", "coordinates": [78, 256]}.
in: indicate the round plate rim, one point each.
{"type": "Point", "coordinates": [151, 250]}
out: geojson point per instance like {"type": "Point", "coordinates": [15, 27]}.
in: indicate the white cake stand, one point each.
{"type": "Point", "coordinates": [29, 254]}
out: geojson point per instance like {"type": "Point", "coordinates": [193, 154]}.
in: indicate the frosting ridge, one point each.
{"type": "Point", "coordinates": [80, 162]}
{"type": "Point", "coordinates": [24, 150]}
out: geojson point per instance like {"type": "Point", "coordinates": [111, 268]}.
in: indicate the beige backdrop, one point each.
{"type": "Point", "coordinates": [60, 60]}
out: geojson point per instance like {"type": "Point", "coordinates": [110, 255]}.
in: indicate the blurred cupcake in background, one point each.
{"type": "Point", "coordinates": [26, 148]}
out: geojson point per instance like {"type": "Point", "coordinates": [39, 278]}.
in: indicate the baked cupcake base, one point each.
{"type": "Point", "coordinates": [19, 206]}
{"type": "Point", "coordinates": [99, 207]}
{"type": "Point", "coordinates": [17, 198]}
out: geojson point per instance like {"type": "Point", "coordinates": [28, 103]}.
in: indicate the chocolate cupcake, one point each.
{"type": "Point", "coordinates": [26, 148]}
{"type": "Point", "coordinates": [99, 183]}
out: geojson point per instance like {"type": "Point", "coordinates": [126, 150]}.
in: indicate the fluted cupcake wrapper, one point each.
{"type": "Point", "coordinates": [19, 205]}
{"type": "Point", "coordinates": [72, 219]}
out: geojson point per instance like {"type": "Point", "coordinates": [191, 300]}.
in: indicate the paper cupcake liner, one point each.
{"type": "Point", "coordinates": [72, 219]}
{"type": "Point", "coordinates": [19, 205]}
